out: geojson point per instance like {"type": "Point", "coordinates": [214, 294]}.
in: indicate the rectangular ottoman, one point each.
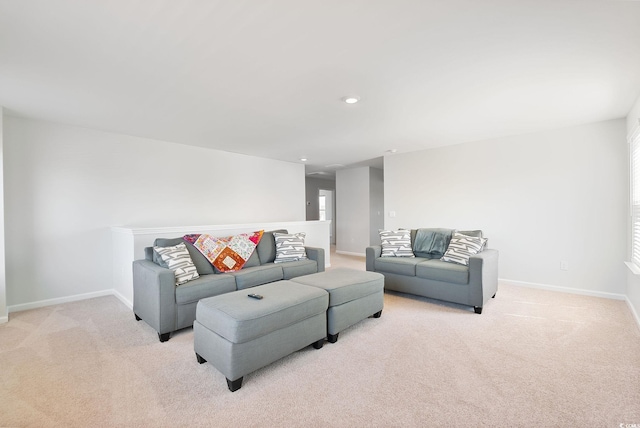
{"type": "Point", "coordinates": [238, 334]}
{"type": "Point", "coordinates": [353, 296]}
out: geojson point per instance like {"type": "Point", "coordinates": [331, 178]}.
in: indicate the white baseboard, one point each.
{"type": "Point", "coordinates": [67, 299]}
{"type": "Point", "coordinates": [633, 311]}
{"type": "Point", "coordinates": [123, 299]}
{"type": "Point", "coordinates": [348, 253]}
{"type": "Point", "coordinates": [570, 290]}
{"type": "Point", "coordinates": [4, 319]}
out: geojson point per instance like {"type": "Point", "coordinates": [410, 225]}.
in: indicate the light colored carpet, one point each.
{"type": "Point", "coordinates": [534, 358]}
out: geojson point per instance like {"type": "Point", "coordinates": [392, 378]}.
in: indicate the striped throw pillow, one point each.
{"type": "Point", "coordinates": [290, 247]}
{"type": "Point", "coordinates": [179, 261]}
{"type": "Point", "coordinates": [396, 243]}
{"type": "Point", "coordinates": [462, 247]}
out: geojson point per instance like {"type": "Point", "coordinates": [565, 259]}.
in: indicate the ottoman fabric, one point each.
{"type": "Point", "coordinates": [344, 285]}
{"type": "Point", "coordinates": [354, 295]}
{"type": "Point", "coordinates": [239, 318]}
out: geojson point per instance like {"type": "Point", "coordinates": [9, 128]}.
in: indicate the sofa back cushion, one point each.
{"type": "Point", "coordinates": [266, 249]}
{"type": "Point", "coordinates": [202, 264]}
{"type": "Point", "coordinates": [430, 243]}
{"type": "Point", "coordinates": [254, 260]}
{"type": "Point", "coordinates": [430, 253]}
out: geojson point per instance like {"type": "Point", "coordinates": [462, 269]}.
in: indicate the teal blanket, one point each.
{"type": "Point", "coordinates": [431, 243]}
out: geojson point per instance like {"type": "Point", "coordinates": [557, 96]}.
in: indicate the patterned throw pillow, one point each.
{"type": "Point", "coordinates": [289, 247]}
{"type": "Point", "coordinates": [462, 247]}
{"type": "Point", "coordinates": [396, 243]}
{"type": "Point", "coordinates": [179, 261]}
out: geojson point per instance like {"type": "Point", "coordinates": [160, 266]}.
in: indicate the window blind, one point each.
{"type": "Point", "coordinates": [635, 198]}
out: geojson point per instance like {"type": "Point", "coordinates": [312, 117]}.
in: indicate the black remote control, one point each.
{"type": "Point", "coordinates": [255, 296]}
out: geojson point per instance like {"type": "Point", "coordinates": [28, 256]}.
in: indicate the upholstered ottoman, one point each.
{"type": "Point", "coordinates": [353, 296]}
{"type": "Point", "coordinates": [239, 334]}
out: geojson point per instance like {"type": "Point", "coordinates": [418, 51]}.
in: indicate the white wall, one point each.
{"type": "Point", "coordinates": [376, 205]}
{"type": "Point", "coordinates": [312, 191]}
{"type": "Point", "coordinates": [633, 281]}
{"type": "Point", "coordinates": [65, 187]}
{"type": "Point", "coordinates": [4, 315]}
{"type": "Point", "coordinates": [540, 199]}
{"type": "Point", "coordinates": [352, 210]}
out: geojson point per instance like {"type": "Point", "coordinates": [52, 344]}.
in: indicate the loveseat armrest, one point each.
{"type": "Point", "coordinates": [372, 253]}
{"type": "Point", "coordinates": [317, 254]}
{"type": "Point", "coordinates": [154, 295]}
{"type": "Point", "coordinates": [483, 276]}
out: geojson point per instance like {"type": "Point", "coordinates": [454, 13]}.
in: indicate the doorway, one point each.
{"type": "Point", "coordinates": [327, 211]}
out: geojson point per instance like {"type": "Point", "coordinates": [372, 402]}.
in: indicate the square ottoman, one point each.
{"type": "Point", "coordinates": [354, 295]}
{"type": "Point", "coordinates": [238, 334]}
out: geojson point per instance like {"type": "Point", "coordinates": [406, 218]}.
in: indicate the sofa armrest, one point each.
{"type": "Point", "coordinates": [483, 276]}
{"type": "Point", "coordinates": [317, 254]}
{"type": "Point", "coordinates": [154, 295]}
{"type": "Point", "coordinates": [372, 254]}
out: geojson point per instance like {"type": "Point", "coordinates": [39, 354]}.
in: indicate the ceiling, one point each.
{"type": "Point", "coordinates": [266, 78]}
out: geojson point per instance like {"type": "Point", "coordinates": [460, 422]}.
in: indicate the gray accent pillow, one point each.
{"type": "Point", "coordinates": [474, 233]}
{"type": "Point", "coordinates": [266, 248]}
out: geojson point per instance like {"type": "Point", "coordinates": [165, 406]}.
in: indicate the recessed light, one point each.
{"type": "Point", "coordinates": [351, 99]}
{"type": "Point", "coordinates": [303, 159]}
{"type": "Point", "coordinates": [392, 150]}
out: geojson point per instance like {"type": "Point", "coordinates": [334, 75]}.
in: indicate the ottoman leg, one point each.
{"type": "Point", "coordinates": [234, 385]}
{"type": "Point", "coordinates": [318, 344]}
{"type": "Point", "coordinates": [164, 336]}
{"type": "Point", "coordinates": [377, 314]}
{"type": "Point", "coordinates": [200, 359]}
{"type": "Point", "coordinates": [332, 338]}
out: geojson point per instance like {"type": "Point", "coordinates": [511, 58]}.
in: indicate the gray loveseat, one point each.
{"type": "Point", "coordinates": [426, 275]}
{"type": "Point", "coordinates": [168, 308]}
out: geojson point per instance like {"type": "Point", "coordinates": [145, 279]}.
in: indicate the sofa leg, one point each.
{"type": "Point", "coordinates": [200, 359]}
{"type": "Point", "coordinates": [332, 338]}
{"type": "Point", "coordinates": [318, 344]}
{"type": "Point", "coordinates": [494, 296]}
{"type": "Point", "coordinates": [234, 385]}
{"type": "Point", "coordinates": [377, 314]}
{"type": "Point", "coordinates": [478, 309]}
{"type": "Point", "coordinates": [137, 317]}
{"type": "Point", "coordinates": [164, 336]}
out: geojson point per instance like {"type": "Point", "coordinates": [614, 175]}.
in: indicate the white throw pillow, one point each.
{"type": "Point", "coordinates": [179, 261]}
{"type": "Point", "coordinates": [290, 247]}
{"type": "Point", "coordinates": [462, 247]}
{"type": "Point", "coordinates": [396, 243]}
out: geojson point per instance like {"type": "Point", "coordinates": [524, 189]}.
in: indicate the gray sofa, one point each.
{"type": "Point", "coordinates": [168, 308]}
{"type": "Point", "coordinates": [426, 275]}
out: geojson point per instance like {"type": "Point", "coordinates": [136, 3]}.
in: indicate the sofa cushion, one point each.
{"type": "Point", "coordinates": [178, 260]}
{"type": "Point", "coordinates": [254, 260]}
{"type": "Point", "coordinates": [396, 243]}
{"type": "Point", "coordinates": [443, 271]}
{"type": "Point", "coordinates": [299, 268]}
{"type": "Point", "coordinates": [398, 265]}
{"type": "Point", "coordinates": [267, 247]}
{"type": "Point", "coordinates": [289, 247]}
{"type": "Point", "coordinates": [462, 247]}
{"type": "Point", "coordinates": [205, 286]}
{"type": "Point", "coordinates": [202, 264]}
{"type": "Point", "coordinates": [257, 275]}
{"type": "Point", "coordinates": [475, 233]}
